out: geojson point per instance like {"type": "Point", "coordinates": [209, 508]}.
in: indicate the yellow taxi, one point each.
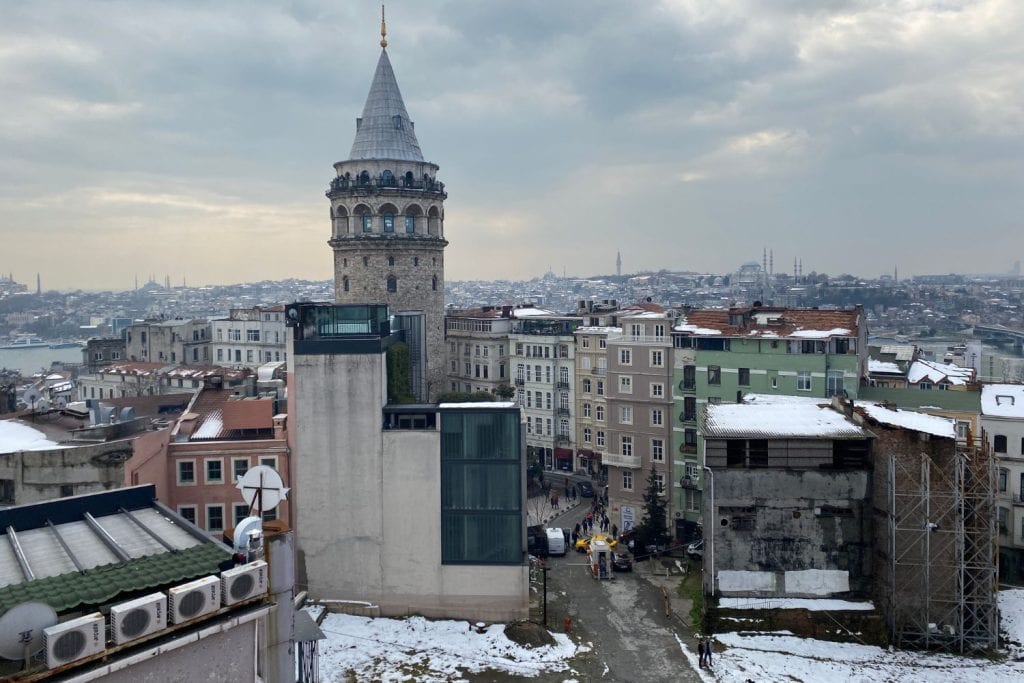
{"type": "Point", "coordinates": [583, 545]}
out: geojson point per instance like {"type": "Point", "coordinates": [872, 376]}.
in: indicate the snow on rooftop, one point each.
{"type": "Point", "coordinates": [683, 326]}
{"type": "Point", "coordinates": [598, 329]}
{"type": "Point", "coordinates": [15, 436]}
{"type": "Point", "coordinates": [794, 420]}
{"type": "Point", "coordinates": [531, 312]}
{"type": "Point", "coordinates": [811, 604]}
{"type": "Point", "coordinates": [480, 404]}
{"type": "Point", "coordinates": [211, 426]}
{"type": "Point", "coordinates": [782, 399]}
{"type": "Point", "coordinates": [924, 370]}
{"type": "Point", "coordinates": [821, 334]}
{"type": "Point", "coordinates": [908, 419]}
{"type": "Point", "coordinates": [1002, 400]}
{"type": "Point", "coordinates": [883, 366]}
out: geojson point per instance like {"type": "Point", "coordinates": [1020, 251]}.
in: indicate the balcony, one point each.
{"type": "Point", "coordinates": [562, 385]}
{"type": "Point", "coordinates": [600, 372]}
{"type": "Point", "coordinates": [615, 460]}
{"type": "Point", "coordinates": [562, 412]}
{"type": "Point", "coordinates": [1017, 498]}
{"type": "Point", "coordinates": [689, 483]}
{"type": "Point", "coordinates": [562, 440]}
{"type": "Point", "coordinates": [520, 381]}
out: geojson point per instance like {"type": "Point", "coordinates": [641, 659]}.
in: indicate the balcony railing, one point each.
{"type": "Point", "coordinates": [1017, 498]}
{"type": "Point", "coordinates": [689, 483]}
{"type": "Point", "coordinates": [562, 412]}
{"type": "Point", "coordinates": [520, 381]}
{"type": "Point", "coordinates": [601, 372]}
{"type": "Point", "coordinates": [617, 460]}
{"type": "Point", "coordinates": [561, 385]}
{"type": "Point", "coordinates": [563, 440]}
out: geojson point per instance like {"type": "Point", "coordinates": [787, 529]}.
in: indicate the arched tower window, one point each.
{"type": "Point", "coordinates": [433, 221]}
{"type": "Point", "coordinates": [367, 220]}
{"type": "Point", "coordinates": [364, 178]}
{"type": "Point", "coordinates": [410, 223]}
{"type": "Point", "coordinates": [389, 222]}
{"type": "Point", "coordinates": [415, 260]}
{"type": "Point", "coordinates": [391, 260]}
{"type": "Point", "coordinates": [392, 283]}
{"type": "Point", "coordinates": [387, 178]}
{"type": "Point", "coordinates": [408, 179]}
{"type": "Point", "coordinates": [433, 283]}
{"type": "Point", "coordinates": [344, 283]}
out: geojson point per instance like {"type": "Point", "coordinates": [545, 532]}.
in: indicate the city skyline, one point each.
{"type": "Point", "coordinates": [148, 138]}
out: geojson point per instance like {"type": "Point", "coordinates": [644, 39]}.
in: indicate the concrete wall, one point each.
{"type": "Point", "coordinates": [369, 511]}
{"type": "Point", "coordinates": [790, 533]}
{"type": "Point", "coordinates": [40, 475]}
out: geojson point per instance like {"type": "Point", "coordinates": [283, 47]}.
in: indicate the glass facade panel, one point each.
{"type": "Point", "coordinates": [481, 487]}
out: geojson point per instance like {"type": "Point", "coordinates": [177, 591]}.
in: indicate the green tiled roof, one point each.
{"type": "Point", "coordinates": [102, 584]}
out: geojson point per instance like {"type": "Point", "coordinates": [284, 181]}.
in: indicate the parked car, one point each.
{"type": "Point", "coordinates": [622, 562]}
{"type": "Point", "coordinates": [695, 550]}
{"type": "Point", "coordinates": [585, 489]}
{"type": "Point", "coordinates": [537, 541]}
{"type": "Point", "coordinates": [583, 545]}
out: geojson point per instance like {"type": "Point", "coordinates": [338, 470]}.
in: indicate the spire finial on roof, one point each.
{"type": "Point", "coordinates": [383, 29]}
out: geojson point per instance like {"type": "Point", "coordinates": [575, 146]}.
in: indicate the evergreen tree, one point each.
{"type": "Point", "coordinates": [653, 529]}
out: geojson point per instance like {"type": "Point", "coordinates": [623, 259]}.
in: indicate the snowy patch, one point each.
{"type": "Point", "coordinates": [883, 366]}
{"type": "Point", "coordinates": [1002, 400]}
{"type": "Point", "coordinates": [810, 604]}
{"type": "Point", "coordinates": [423, 650]}
{"type": "Point", "coordinates": [796, 420]}
{"type": "Point", "coordinates": [737, 580]}
{"type": "Point", "coordinates": [908, 419]}
{"type": "Point", "coordinates": [683, 326]}
{"type": "Point", "coordinates": [15, 436]}
{"type": "Point", "coordinates": [821, 334]}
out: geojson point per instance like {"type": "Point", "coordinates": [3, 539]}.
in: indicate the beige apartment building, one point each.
{"type": "Point", "coordinates": [478, 348]}
{"type": "Point", "coordinates": [592, 396]}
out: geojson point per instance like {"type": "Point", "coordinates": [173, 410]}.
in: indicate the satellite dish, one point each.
{"type": "Point", "coordinates": [262, 489]}
{"type": "Point", "coordinates": [243, 532]}
{"type": "Point", "coordinates": [21, 629]}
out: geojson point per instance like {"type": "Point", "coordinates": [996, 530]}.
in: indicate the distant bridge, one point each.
{"type": "Point", "coordinates": [1002, 333]}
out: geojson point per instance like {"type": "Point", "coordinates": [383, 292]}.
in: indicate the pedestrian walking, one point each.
{"type": "Point", "coordinates": [576, 529]}
{"type": "Point", "coordinates": [615, 531]}
{"type": "Point", "coordinates": [700, 653]}
{"type": "Point", "coordinates": [707, 652]}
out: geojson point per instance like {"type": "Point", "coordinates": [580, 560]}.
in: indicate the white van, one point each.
{"type": "Point", "coordinates": [556, 542]}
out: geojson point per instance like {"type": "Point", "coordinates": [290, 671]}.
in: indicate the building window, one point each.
{"type": "Point", "coordinates": [215, 518]}
{"type": "Point", "coordinates": [389, 222]}
{"type": "Point", "coordinates": [344, 283]}
{"type": "Point", "coordinates": [659, 481]}
{"type": "Point", "coordinates": [834, 382]}
{"type": "Point", "coordinates": [625, 384]}
{"type": "Point", "coordinates": [626, 415]}
{"type": "Point", "coordinates": [215, 471]}
{"type": "Point", "coordinates": [803, 381]}
{"type": "Point", "coordinates": [744, 377]}
{"type": "Point", "coordinates": [625, 356]}
{"type": "Point", "coordinates": [657, 358]}
{"type": "Point", "coordinates": [241, 511]}
{"type": "Point", "coordinates": [220, 354]}
{"type": "Point", "coordinates": [657, 450]}
{"type": "Point", "coordinates": [599, 413]}
{"type": "Point", "coordinates": [433, 283]}
{"type": "Point", "coordinates": [392, 283]}
{"type": "Point", "coordinates": [188, 512]}
{"type": "Point", "coordinates": [999, 444]}
{"type": "Point", "coordinates": [599, 437]}
{"type": "Point", "coordinates": [367, 223]}
{"type": "Point", "coordinates": [410, 224]}
{"type": "Point", "coordinates": [186, 472]}
{"type": "Point", "coordinates": [239, 466]}
{"type": "Point", "coordinates": [585, 342]}
{"type": "Point", "coordinates": [690, 439]}
{"type": "Point", "coordinates": [657, 390]}
{"type": "Point", "coordinates": [627, 445]}
{"type": "Point", "coordinates": [1004, 476]}
{"type": "Point", "coordinates": [587, 434]}
{"type": "Point", "coordinates": [252, 335]}
{"type": "Point", "coordinates": [689, 377]}
{"type": "Point", "coordinates": [600, 387]}
{"type": "Point", "coordinates": [657, 417]}
{"type": "Point", "coordinates": [586, 386]}
{"type": "Point", "coordinates": [391, 260]}
{"type": "Point", "coordinates": [586, 410]}
{"type": "Point", "coordinates": [689, 409]}
{"type": "Point", "coordinates": [602, 343]}
{"type": "Point", "coordinates": [714, 374]}
{"type": "Point", "coordinates": [627, 480]}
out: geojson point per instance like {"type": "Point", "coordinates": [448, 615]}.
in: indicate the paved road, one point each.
{"type": "Point", "coordinates": [622, 620]}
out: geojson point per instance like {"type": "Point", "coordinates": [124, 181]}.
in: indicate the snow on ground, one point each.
{"type": "Point", "coordinates": [15, 436]}
{"type": "Point", "coordinates": [812, 604]}
{"type": "Point", "coordinates": [424, 650]}
{"type": "Point", "coordinates": [783, 656]}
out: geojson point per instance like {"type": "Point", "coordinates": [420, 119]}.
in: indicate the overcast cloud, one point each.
{"type": "Point", "coordinates": [196, 139]}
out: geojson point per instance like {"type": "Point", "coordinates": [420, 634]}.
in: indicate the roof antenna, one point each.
{"type": "Point", "coordinates": [383, 29]}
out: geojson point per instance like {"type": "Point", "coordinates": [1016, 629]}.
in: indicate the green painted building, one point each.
{"type": "Point", "coordinates": [720, 355]}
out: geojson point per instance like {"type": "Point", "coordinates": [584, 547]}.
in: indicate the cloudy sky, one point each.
{"type": "Point", "coordinates": [195, 139]}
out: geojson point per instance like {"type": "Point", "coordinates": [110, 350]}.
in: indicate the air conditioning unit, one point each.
{"type": "Point", "coordinates": [137, 618]}
{"type": "Point", "coordinates": [74, 640]}
{"type": "Point", "coordinates": [243, 582]}
{"type": "Point", "coordinates": [193, 599]}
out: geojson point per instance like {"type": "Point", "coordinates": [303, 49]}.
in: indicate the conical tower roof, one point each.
{"type": "Point", "coordinates": [385, 131]}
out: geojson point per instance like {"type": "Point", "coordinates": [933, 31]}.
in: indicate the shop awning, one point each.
{"type": "Point", "coordinates": [563, 454]}
{"type": "Point", "coordinates": [585, 453]}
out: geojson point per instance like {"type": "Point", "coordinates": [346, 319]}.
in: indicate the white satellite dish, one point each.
{"type": "Point", "coordinates": [21, 629]}
{"type": "Point", "coordinates": [262, 489]}
{"type": "Point", "coordinates": [244, 531]}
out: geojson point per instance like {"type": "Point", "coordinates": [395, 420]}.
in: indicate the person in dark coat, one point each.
{"type": "Point", "coordinates": [707, 652]}
{"type": "Point", "coordinates": [700, 652]}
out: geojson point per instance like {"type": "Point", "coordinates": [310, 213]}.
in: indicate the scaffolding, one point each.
{"type": "Point", "coordinates": [942, 549]}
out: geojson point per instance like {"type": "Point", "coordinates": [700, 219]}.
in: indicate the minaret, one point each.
{"type": "Point", "coordinates": [387, 217]}
{"type": "Point", "coordinates": [618, 263]}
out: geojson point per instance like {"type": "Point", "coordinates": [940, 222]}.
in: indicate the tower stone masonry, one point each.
{"type": "Point", "coordinates": [387, 219]}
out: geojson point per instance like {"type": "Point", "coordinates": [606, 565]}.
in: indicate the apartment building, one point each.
{"type": "Point", "coordinates": [639, 416]}
{"type": "Point", "coordinates": [478, 348]}
{"type": "Point", "coordinates": [592, 397]}
{"type": "Point", "coordinates": [1002, 419]}
{"type": "Point", "coordinates": [168, 341]}
{"type": "Point", "coordinates": [543, 351]}
{"type": "Point", "coordinates": [249, 337]}
{"type": "Point", "coordinates": [719, 355]}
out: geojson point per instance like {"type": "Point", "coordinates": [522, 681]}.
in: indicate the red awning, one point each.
{"type": "Point", "coordinates": [563, 454]}
{"type": "Point", "coordinates": [585, 452]}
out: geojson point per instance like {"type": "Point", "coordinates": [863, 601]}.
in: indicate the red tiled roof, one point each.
{"type": "Point", "coordinates": [790, 322]}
